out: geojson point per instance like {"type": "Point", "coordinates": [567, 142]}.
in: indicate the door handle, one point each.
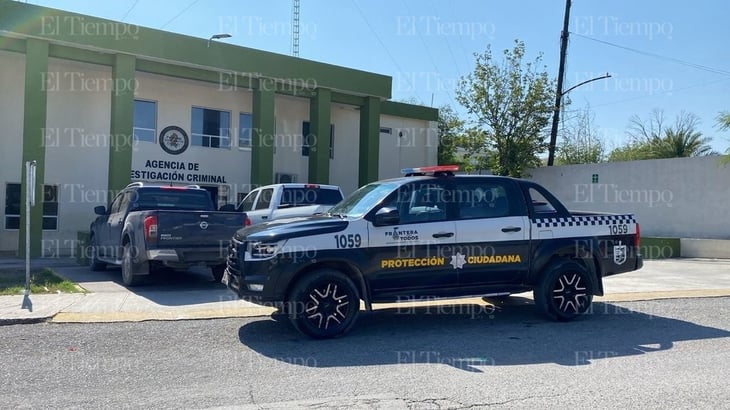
{"type": "Point", "coordinates": [264, 217]}
{"type": "Point", "coordinates": [511, 229]}
{"type": "Point", "coordinates": [443, 235]}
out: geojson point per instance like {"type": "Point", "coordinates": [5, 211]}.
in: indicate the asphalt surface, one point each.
{"type": "Point", "coordinates": [649, 354]}
{"type": "Point", "coordinates": [194, 295]}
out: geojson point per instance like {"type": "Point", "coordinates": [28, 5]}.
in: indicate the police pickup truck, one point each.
{"type": "Point", "coordinates": [431, 234]}
{"type": "Point", "coordinates": [148, 226]}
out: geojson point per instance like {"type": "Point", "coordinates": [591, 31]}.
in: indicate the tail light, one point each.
{"type": "Point", "coordinates": [246, 221]}
{"type": "Point", "coordinates": [150, 228]}
{"type": "Point", "coordinates": [637, 236]}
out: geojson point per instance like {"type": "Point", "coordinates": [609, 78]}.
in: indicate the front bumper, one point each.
{"type": "Point", "coordinates": [252, 281]}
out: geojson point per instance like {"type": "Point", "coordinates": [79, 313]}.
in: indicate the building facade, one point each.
{"type": "Point", "coordinates": [98, 104]}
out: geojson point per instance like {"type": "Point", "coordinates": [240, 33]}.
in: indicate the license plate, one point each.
{"type": "Point", "coordinates": [226, 279]}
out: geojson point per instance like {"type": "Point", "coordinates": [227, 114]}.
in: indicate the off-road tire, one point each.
{"type": "Point", "coordinates": [323, 304]}
{"type": "Point", "coordinates": [564, 291]}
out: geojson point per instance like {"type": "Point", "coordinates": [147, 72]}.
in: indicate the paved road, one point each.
{"type": "Point", "coordinates": [650, 354]}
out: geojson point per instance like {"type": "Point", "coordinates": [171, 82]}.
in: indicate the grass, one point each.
{"type": "Point", "coordinates": [12, 282]}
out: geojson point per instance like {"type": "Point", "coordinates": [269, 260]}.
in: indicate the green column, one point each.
{"type": "Point", "coordinates": [34, 124]}
{"type": "Point", "coordinates": [319, 128]}
{"type": "Point", "coordinates": [122, 122]}
{"type": "Point", "coordinates": [369, 140]}
{"type": "Point", "coordinates": [262, 144]}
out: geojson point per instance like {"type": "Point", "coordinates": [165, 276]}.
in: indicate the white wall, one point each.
{"type": "Point", "coordinates": [344, 167]}
{"type": "Point", "coordinates": [290, 113]}
{"type": "Point", "coordinates": [12, 97]}
{"type": "Point", "coordinates": [175, 98]}
{"type": "Point", "coordinates": [77, 146]}
{"type": "Point", "coordinates": [678, 197]}
{"type": "Point", "coordinates": [411, 143]}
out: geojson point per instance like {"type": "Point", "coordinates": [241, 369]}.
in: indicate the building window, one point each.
{"type": "Point", "coordinates": [12, 206]}
{"type": "Point", "coordinates": [50, 207]}
{"type": "Point", "coordinates": [245, 125]}
{"type": "Point", "coordinates": [211, 128]}
{"type": "Point", "coordinates": [145, 121]}
{"type": "Point", "coordinates": [307, 136]}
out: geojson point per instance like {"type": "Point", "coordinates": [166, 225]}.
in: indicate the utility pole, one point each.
{"type": "Point", "coordinates": [295, 28]}
{"type": "Point", "coordinates": [559, 93]}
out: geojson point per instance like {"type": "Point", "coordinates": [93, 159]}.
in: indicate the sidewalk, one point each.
{"type": "Point", "coordinates": [196, 296]}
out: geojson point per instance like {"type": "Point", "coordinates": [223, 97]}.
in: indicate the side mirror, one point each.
{"type": "Point", "coordinates": [100, 210]}
{"type": "Point", "coordinates": [386, 216]}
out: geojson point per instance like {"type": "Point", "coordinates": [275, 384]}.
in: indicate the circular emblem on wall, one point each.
{"type": "Point", "coordinates": [174, 140]}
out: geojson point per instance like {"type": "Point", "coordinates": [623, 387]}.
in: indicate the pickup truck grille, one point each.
{"type": "Point", "coordinates": [236, 250]}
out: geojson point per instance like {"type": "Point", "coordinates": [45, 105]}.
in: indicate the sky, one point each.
{"type": "Point", "coordinates": [666, 55]}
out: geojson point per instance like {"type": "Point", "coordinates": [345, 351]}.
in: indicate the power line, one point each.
{"type": "Point", "coordinates": [428, 53]}
{"type": "Point", "coordinates": [392, 59]}
{"type": "Point", "coordinates": [129, 10]}
{"type": "Point", "coordinates": [179, 14]}
{"type": "Point", "coordinates": [668, 92]}
{"type": "Point", "coordinates": [661, 57]}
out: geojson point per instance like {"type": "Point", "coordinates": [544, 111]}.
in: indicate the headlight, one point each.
{"type": "Point", "coordinates": [263, 250]}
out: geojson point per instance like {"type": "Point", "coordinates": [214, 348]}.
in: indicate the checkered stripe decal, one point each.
{"type": "Point", "coordinates": [597, 220]}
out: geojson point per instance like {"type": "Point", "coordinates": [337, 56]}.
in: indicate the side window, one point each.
{"type": "Point", "coordinates": [421, 203]}
{"type": "Point", "coordinates": [264, 199]}
{"type": "Point", "coordinates": [247, 203]}
{"type": "Point", "coordinates": [116, 204]}
{"type": "Point", "coordinates": [124, 203]}
{"type": "Point", "coordinates": [482, 200]}
{"type": "Point", "coordinates": [540, 204]}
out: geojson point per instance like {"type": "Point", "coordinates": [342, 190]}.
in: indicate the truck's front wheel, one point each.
{"type": "Point", "coordinates": [564, 292]}
{"type": "Point", "coordinates": [324, 304]}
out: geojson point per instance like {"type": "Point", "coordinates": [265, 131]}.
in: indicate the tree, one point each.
{"type": "Point", "coordinates": [652, 139]}
{"type": "Point", "coordinates": [580, 144]}
{"type": "Point", "coordinates": [679, 140]}
{"type": "Point", "coordinates": [451, 129]}
{"type": "Point", "coordinates": [723, 121]}
{"type": "Point", "coordinates": [512, 103]}
{"type": "Point", "coordinates": [632, 151]}
{"type": "Point", "coordinates": [476, 155]}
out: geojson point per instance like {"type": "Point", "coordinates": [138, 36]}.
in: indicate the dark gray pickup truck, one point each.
{"type": "Point", "coordinates": [148, 226]}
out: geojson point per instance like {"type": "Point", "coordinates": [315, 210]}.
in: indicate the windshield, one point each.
{"type": "Point", "coordinates": [363, 200]}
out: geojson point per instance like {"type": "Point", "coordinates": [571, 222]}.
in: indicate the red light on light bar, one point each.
{"type": "Point", "coordinates": [434, 168]}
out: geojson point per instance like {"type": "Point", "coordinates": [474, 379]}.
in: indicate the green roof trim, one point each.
{"type": "Point", "coordinates": [112, 37]}
{"type": "Point", "coordinates": [417, 112]}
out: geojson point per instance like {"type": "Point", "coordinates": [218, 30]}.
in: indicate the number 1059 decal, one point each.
{"type": "Point", "coordinates": [348, 241]}
{"type": "Point", "coordinates": [618, 229]}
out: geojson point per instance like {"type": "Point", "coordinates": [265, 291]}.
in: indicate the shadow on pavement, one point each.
{"type": "Point", "coordinates": [164, 287]}
{"type": "Point", "coordinates": [473, 337]}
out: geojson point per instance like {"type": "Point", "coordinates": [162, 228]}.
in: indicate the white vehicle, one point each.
{"type": "Point", "coordinates": [278, 201]}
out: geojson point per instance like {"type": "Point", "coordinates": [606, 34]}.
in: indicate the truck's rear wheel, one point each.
{"type": "Point", "coordinates": [565, 291]}
{"type": "Point", "coordinates": [128, 276]}
{"type": "Point", "coordinates": [94, 263]}
{"type": "Point", "coordinates": [324, 304]}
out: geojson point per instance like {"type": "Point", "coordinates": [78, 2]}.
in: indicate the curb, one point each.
{"type": "Point", "coordinates": [224, 313]}
{"type": "Point", "coordinates": [193, 314]}
{"type": "Point", "coordinates": [25, 321]}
